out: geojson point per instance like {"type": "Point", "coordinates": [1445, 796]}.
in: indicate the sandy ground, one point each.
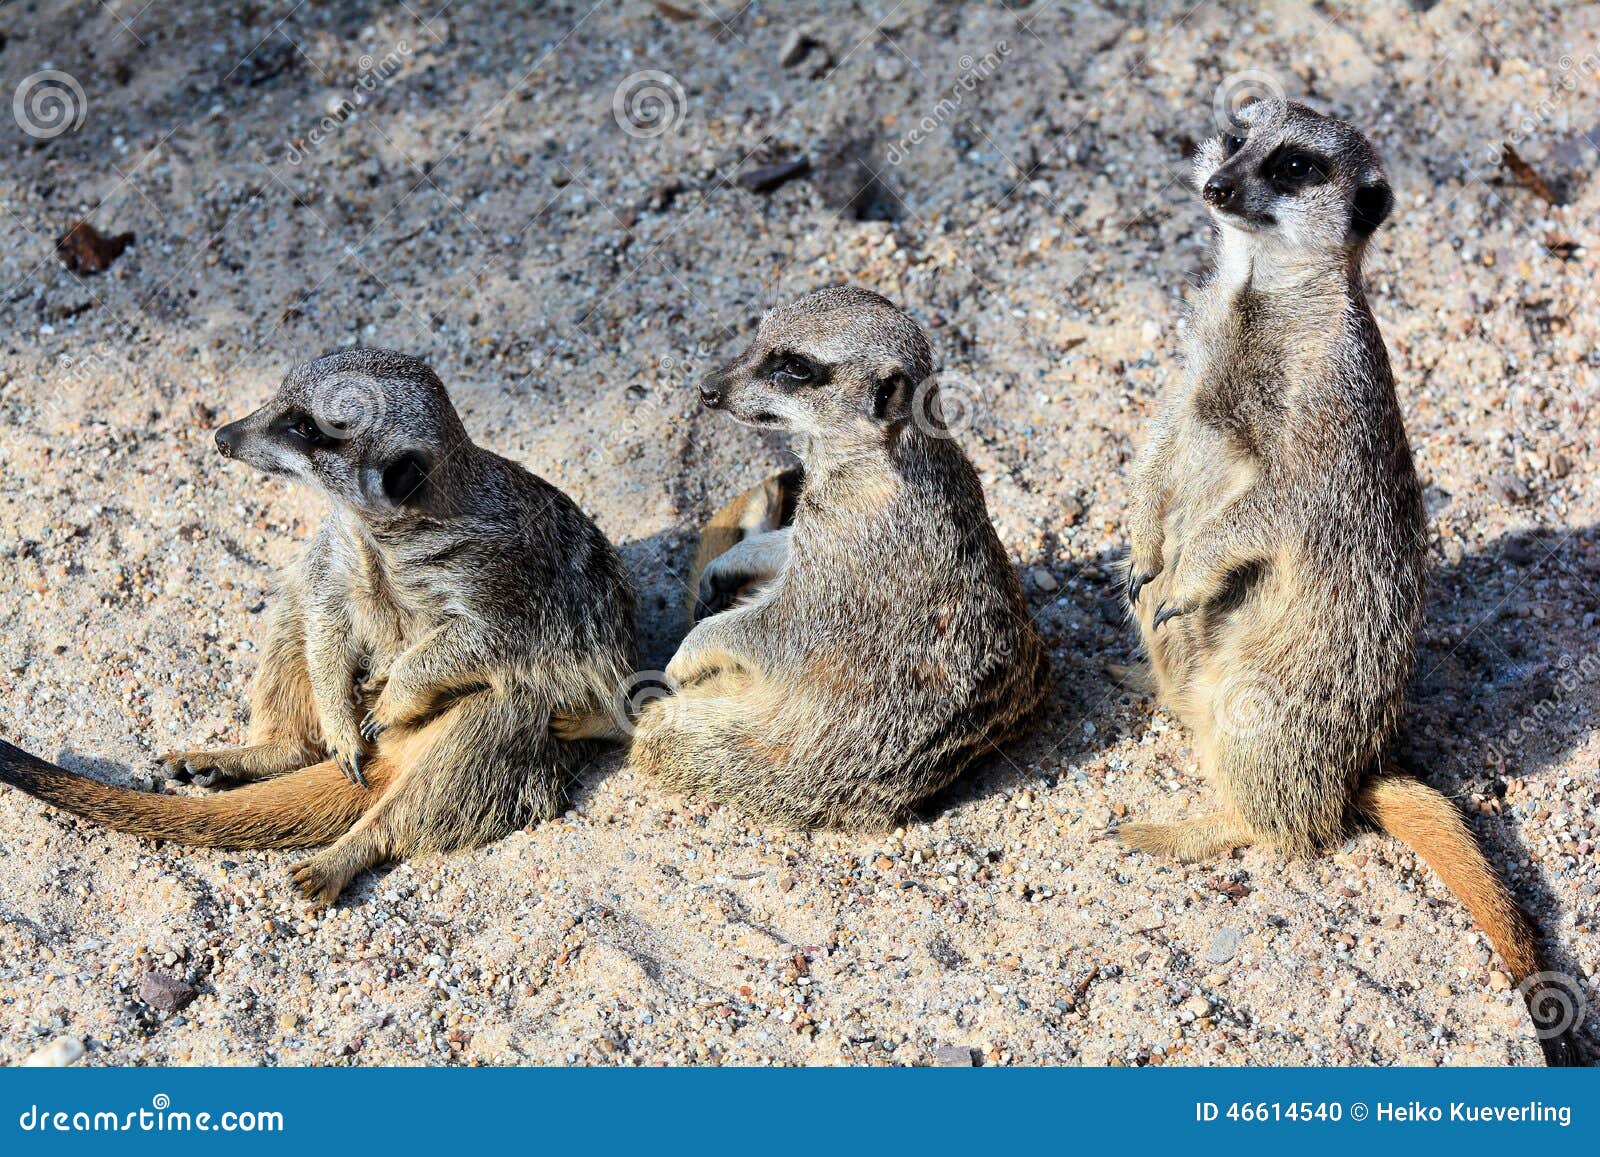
{"type": "Point", "coordinates": [485, 208]}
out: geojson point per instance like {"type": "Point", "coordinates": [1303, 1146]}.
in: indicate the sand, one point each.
{"type": "Point", "coordinates": [484, 206]}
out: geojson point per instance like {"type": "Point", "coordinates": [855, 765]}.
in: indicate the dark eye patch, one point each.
{"type": "Point", "coordinates": [1231, 144]}
{"type": "Point", "coordinates": [789, 369]}
{"type": "Point", "coordinates": [302, 428]}
{"type": "Point", "coordinates": [1291, 169]}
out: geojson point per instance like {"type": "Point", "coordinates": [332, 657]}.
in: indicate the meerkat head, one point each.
{"type": "Point", "coordinates": [1287, 175]}
{"type": "Point", "coordinates": [367, 427]}
{"type": "Point", "coordinates": [841, 366]}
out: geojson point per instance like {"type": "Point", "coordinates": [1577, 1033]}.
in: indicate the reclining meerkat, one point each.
{"type": "Point", "coordinates": [884, 644]}
{"type": "Point", "coordinates": [449, 604]}
{"type": "Point", "coordinates": [1277, 529]}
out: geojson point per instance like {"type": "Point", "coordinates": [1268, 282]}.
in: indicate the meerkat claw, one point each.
{"type": "Point", "coordinates": [371, 728]}
{"type": "Point", "coordinates": [1165, 612]}
{"type": "Point", "coordinates": [1136, 581]}
{"type": "Point", "coordinates": [351, 766]}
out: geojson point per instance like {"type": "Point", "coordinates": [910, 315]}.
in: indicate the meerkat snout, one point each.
{"type": "Point", "coordinates": [1220, 191]}
{"type": "Point", "coordinates": [225, 437]}
{"type": "Point", "coordinates": [711, 390]}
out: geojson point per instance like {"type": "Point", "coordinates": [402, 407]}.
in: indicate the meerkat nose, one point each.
{"type": "Point", "coordinates": [225, 438]}
{"type": "Point", "coordinates": [1220, 191]}
{"type": "Point", "coordinates": [711, 390]}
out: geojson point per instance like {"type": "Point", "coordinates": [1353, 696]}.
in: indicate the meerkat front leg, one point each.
{"type": "Point", "coordinates": [763, 508]}
{"type": "Point", "coordinates": [1152, 490]}
{"type": "Point", "coordinates": [1227, 540]}
{"type": "Point", "coordinates": [332, 661]}
{"type": "Point", "coordinates": [454, 660]}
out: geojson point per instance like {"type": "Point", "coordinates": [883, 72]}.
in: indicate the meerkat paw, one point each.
{"type": "Point", "coordinates": [1138, 576]}
{"type": "Point", "coordinates": [197, 767]}
{"type": "Point", "coordinates": [723, 588]}
{"type": "Point", "coordinates": [371, 727]}
{"type": "Point", "coordinates": [229, 766]}
{"type": "Point", "coordinates": [321, 878]}
{"type": "Point", "coordinates": [1188, 841]}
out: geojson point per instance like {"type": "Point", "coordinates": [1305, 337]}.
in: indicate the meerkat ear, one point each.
{"type": "Point", "coordinates": [403, 479]}
{"type": "Point", "coordinates": [891, 394]}
{"type": "Point", "coordinates": [1371, 206]}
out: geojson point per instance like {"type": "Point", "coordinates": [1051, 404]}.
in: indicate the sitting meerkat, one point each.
{"type": "Point", "coordinates": [883, 644]}
{"type": "Point", "coordinates": [1277, 530]}
{"type": "Point", "coordinates": [451, 602]}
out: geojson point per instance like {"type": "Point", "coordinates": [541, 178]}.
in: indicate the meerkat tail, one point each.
{"type": "Point", "coordinates": [1432, 827]}
{"type": "Point", "coordinates": [305, 808]}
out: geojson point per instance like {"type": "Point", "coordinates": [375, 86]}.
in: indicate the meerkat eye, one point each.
{"type": "Point", "coordinates": [305, 427]}
{"type": "Point", "coordinates": [795, 369]}
{"type": "Point", "coordinates": [1299, 169]}
{"type": "Point", "coordinates": [1232, 144]}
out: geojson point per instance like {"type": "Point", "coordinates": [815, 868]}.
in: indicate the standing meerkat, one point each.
{"type": "Point", "coordinates": [883, 644]}
{"type": "Point", "coordinates": [418, 647]}
{"type": "Point", "coordinates": [1278, 536]}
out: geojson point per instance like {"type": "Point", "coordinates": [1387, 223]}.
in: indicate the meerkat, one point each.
{"type": "Point", "coordinates": [882, 643]}
{"type": "Point", "coordinates": [1277, 529]}
{"type": "Point", "coordinates": [450, 604]}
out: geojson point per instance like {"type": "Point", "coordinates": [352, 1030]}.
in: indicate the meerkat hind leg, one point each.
{"type": "Point", "coordinates": [235, 765]}
{"type": "Point", "coordinates": [1191, 840]}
